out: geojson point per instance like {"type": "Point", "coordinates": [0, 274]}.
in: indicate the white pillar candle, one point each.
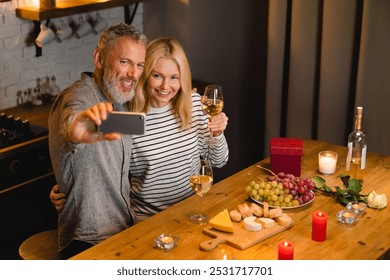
{"type": "Point", "coordinates": [327, 162]}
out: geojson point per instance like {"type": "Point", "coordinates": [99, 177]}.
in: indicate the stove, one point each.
{"type": "Point", "coordinates": [24, 151]}
{"type": "Point", "coordinates": [14, 130]}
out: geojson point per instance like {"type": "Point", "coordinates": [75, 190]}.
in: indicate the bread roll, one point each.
{"type": "Point", "coordinates": [256, 210]}
{"type": "Point", "coordinates": [284, 220]}
{"type": "Point", "coordinates": [266, 209]}
{"type": "Point", "coordinates": [276, 212]}
{"type": "Point", "coordinates": [235, 215]}
{"type": "Point", "coordinates": [244, 210]}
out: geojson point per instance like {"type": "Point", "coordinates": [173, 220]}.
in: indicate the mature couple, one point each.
{"type": "Point", "coordinates": [111, 181]}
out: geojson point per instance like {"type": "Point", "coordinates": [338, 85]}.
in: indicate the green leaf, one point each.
{"type": "Point", "coordinates": [344, 179]}
{"type": "Point", "coordinates": [353, 190]}
{"type": "Point", "coordinates": [327, 189]}
{"type": "Point", "coordinates": [355, 183]}
{"type": "Point", "coordinates": [339, 190]}
{"type": "Point", "coordinates": [318, 181]}
{"type": "Point", "coordinates": [344, 200]}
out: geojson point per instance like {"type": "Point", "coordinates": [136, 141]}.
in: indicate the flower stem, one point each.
{"type": "Point", "coordinates": [266, 169]}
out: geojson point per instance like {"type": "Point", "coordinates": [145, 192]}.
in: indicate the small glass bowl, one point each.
{"type": "Point", "coordinates": [166, 242]}
{"type": "Point", "coordinates": [356, 207]}
{"type": "Point", "coordinates": [346, 217]}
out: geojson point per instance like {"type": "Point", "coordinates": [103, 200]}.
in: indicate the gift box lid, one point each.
{"type": "Point", "coordinates": [286, 146]}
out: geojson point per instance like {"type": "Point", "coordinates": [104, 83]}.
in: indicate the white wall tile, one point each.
{"type": "Point", "coordinates": [19, 66]}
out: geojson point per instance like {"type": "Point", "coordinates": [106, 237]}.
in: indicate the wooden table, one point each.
{"type": "Point", "coordinates": [367, 239]}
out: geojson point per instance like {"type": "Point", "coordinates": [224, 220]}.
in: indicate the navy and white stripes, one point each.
{"type": "Point", "coordinates": [162, 158]}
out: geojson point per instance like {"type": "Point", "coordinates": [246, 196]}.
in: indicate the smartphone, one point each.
{"type": "Point", "coordinates": [124, 122]}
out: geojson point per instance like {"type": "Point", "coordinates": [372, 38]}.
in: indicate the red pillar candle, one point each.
{"type": "Point", "coordinates": [319, 221]}
{"type": "Point", "coordinates": [285, 250]}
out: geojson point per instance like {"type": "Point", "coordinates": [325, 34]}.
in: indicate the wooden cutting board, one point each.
{"type": "Point", "coordinates": [240, 238]}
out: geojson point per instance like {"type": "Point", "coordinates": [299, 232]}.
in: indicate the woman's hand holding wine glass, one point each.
{"type": "Point", "coordinates": [212, 105]}
{"type": "Point", "coordinates": [201, 181]}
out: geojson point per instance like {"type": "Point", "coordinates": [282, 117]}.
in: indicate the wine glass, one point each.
{"type": "Point", "coordinates": [212, 104]}
{"type": "Point", "coordinates": [201, 181]}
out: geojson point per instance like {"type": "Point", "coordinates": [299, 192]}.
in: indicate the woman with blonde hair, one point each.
{"type": "Point", "coordinates": [176, 131]}
{"type": "Point", "coordinates": [171, 49]}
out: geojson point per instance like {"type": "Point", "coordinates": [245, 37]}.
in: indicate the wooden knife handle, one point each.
{"type": "Point", "coordinates": [211, 244]}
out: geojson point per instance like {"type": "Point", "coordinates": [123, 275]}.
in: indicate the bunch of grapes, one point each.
{"type": "Point", "coordinates": [284, 190]}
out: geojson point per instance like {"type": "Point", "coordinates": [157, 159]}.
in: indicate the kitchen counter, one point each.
{"type": "Point", "coordinates": [37, 115]}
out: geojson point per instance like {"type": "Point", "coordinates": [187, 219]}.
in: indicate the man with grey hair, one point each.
{"type": "Point", "coordinates": [94, 177]}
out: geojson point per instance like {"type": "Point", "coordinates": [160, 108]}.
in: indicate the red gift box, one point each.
{"type": "Point", "coordinates": [286, 155]}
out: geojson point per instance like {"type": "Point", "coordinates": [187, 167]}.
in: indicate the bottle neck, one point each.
{"type": "Point", "coordinates": [358, 123]}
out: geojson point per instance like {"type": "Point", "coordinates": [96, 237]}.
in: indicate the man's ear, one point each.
{"type": "Point", "coordinates": [98, 58]}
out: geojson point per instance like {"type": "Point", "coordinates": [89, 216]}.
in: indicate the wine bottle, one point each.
{"type": "Point", "coordinates": [357, 148]}
{"type": "Point", "coordinates": [54, 89]}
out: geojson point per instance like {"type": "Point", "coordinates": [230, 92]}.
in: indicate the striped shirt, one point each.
{"type": "Point", "coordinates": [162, 158]}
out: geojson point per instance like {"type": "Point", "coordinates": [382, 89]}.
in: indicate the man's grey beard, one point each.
{"type": "Point", "coordinates": [116, 95]}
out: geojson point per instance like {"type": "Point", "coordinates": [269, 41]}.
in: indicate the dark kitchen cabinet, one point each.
{"type": "Point", "coordinates": [24, 211]}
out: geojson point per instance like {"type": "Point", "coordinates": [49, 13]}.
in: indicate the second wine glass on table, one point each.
{"type": "Point", "coordinates": [212, 104]}
{"type": "Point", "coordinates": [201, 181]}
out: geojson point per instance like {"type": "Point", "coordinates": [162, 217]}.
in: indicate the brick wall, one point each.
{"type": "Point", "coordinates": [19, 66]}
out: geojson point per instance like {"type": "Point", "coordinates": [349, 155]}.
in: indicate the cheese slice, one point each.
{"type": "Point", "coordinates": [222, 221]}
{"type": "Point", "coordinates": [251, 224]}
{"type": "Point", "coordinates": [266, 222]}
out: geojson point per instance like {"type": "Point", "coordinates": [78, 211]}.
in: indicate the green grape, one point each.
{"type": "Point", "coordinates": [295, 202]}
{"type": "Point", "coordinates": [274, 197]}
{"type": "Point", "coordinates": [248, 189]}
{"type": "Point", "coordinates": [277, 191]}
{"type": "Point", "coordinates": [271, 192]}
{"type": "Point", "coordinates": [287, 199]}
{"type": "Point", "coordinates": [271, 203]}
{"type": "Point", "coordinates": [282, 204]}
{"type": "Point", "coordinates": [281, 198]}
{"type": "Point", "coordinates": [252, 183]}
{"type": "Point", "coordinates": [276, 203]}
{"type": "Point", "coordinates": [257, 197]}
{"type": "Point", "coordinates": [289, 204]}
{"type": "Point", "coordinates": [266, 192]}
{"type": "Point", "coordinates": [260, 191]}
{"type": "Point", "coordinates": [253, 192]}
{"type": "Point", "coordinates": [256, 186]}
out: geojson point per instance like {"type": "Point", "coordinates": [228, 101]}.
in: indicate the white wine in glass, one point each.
{"type": "Point", "coordinates": [212, 103]}
{"type": "Point", "coordinates": [201, 182]}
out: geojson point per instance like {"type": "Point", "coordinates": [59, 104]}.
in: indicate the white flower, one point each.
{"type": "Point", "coordinates": [376, 200]}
